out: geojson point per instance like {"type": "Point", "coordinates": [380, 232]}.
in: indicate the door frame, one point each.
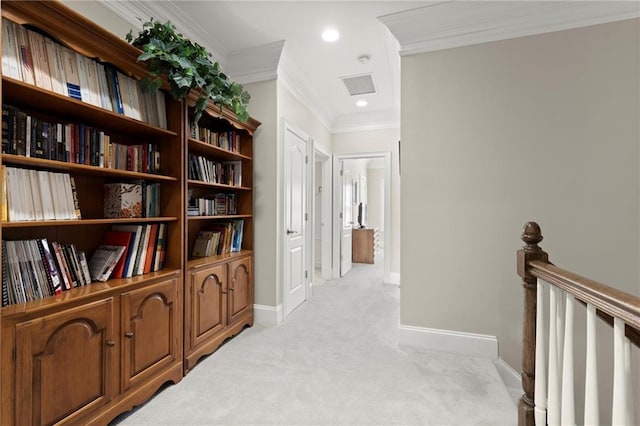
{"type": "Point", "coordinates": [326, 227]}
{"type": "Point", "coordinates": [287, 126]}
{"type": "Point", "coordinates": [386, 156]}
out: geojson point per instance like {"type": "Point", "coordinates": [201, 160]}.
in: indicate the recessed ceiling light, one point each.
{"type": "Point", "coordinates": [330, 35]}
{"type": "Point", "coordinates": [361, 103]}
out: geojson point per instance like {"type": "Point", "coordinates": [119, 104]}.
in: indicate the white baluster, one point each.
{"type": "Point", "coordinates": [627, 368]}
{"type": "Point", "coordinates": [540, 391]}
{"type": "Point", "coordinates": [553, 395]}
{"type": "Point", "coordinates": [621, 405]}
{"type": "Point", "coordinates": [560, 299]}
{"type": "Point", "coordinates": [591, 409]}
{"type": "Point", "coordinates": [568, 414]}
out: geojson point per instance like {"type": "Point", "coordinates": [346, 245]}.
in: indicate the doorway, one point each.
{"type": "Point", "coordinates": [321, 248]}
{"type": "Point", "coordinates": [367, 209]}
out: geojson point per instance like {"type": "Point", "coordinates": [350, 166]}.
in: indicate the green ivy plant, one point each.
{"type": "Point", "coordinates": [186, 65]}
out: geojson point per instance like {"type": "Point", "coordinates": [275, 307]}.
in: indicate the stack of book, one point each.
{"type": "Point", "coordinates": [39, 195]}
{"type": "Point", "coordinates": [218, 204]}
{"type": "Point", "coordinates": [144, 248]}
{"type": "Point", "coordinates": [34, 59]}
{"type": "Point", "coordinates": [229, 140]}
{"type": "Point", "coordinates": [219, 239]}
{"type": "Point", "coordinates": [30, 136]}
{"type": "Point", "coordinates": [225, 172]}
{"type": "Point", "coordinates": [33, 269]}
{"type": "Point", "coordinates": [137, 199]}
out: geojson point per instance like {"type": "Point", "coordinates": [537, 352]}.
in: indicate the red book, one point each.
{"type": "Point", "coordinates": [150, 248]}
{"type": "Point", "coordinates": [118, 238]}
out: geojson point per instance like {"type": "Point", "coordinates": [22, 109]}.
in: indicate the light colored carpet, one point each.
{"type": "Point", "coordinates": [334, 361]}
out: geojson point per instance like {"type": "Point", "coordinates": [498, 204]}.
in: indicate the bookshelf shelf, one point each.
{"type": "Point", "coordinates": [198, 262]}
{"type": "Point", "coordinates": [202, 184]}
{"type": "Point", "coordinates": [204, 148]}
{"type": "Point", "coordinates": [32, 97]}
{"type": "Point", "coordinates": [31, 223]}
{"type": "Point", "coordinates": [82, 169]}
{"type": "Point", "coordinates": [213, 217]}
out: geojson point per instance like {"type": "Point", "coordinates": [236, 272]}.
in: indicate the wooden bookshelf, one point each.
{"type": "Point", "coordinates": [218, 288]}
{"type": "Point", "coordinates": [124, 335]}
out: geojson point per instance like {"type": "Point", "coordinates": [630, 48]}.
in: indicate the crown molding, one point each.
{"type": "Point", "coordinates": [293, 79]}
{"type": "Point", "coordinates": [363, 121]}
{"type": "Point", "coordinates": [254, 64]}
{"type": "Point", "coordinates": [135, 10]}
{"type": "Point", "coordinates": [444, 25]}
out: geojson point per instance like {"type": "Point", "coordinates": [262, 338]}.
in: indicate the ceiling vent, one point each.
{"type": "Point", "coordinates": [359, 84]}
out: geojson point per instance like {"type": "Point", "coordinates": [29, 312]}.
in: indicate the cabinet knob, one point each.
{"type": "Point", "coordinates": [111, 343]}
{"type": "Point", "coordinates": [129, 335]}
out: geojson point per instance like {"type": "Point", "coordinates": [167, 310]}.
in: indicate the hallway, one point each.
{"type": "Point", "coordinates": [333, 361]}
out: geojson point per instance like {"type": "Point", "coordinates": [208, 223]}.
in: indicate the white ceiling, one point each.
{"type": "Point", "coordinates": [255, 40]}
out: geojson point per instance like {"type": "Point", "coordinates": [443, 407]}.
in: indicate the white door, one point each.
{"type": "Point", "coordinates": [295, 181]}
{"type": "Point", "coordinates": [347, 220]}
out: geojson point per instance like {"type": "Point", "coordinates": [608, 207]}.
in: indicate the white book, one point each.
{"type": "Point", "coordinates": [133, 248]}
{"type": "Point", "coordinates": [104, 261]}
{"type": "Point", "coordinates": [40, 60]}
{"type": "Point", "coordinates": [16, 274]}
{"type": "Point", "coordinates": [45, 195]}
{"type": "Point", "coordinates": [85, 267]}
{"type": "Point", "coordinates": [92, 79]}
{"type": "Point", "coordinates": [142, 103]}
{"type": "Point", "coordinates": [24, 54]}
{"type": "Point", "coordinates": [59, 201]}
{"type": "Point", "coordinates": [56, 66]}
{"type": "Point", "coordinates": [10, 55]}
{"type": "Point", "coordinates": [28, 207]}
{"type": "Point", "coordinates": [35, 195]}
{"type": "Point", "coordinates": [72, 77]}
{"type": "Point", "coordinates": [68, 195]}
{"type": "Point", "coordinates": [103, 84]}
{"type": "Point", "coordinates": [84, 79]}
{"type": "Point", "coordinates": [31, 246]}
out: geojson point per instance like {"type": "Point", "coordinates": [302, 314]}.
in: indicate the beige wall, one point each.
{"type": "Point", "coordinates": [101, 15]}
{"type": "Point", "coordinates": [540, 128]}
{"type": "Point", "coordinates": [266, 180]}
{"type": "Point", "coordinates": [379, 141]}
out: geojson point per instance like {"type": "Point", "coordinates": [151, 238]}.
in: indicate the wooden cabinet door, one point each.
{"type": "Point", "coordinates": [149, 331]}
{"type": "Point", "coordinates": [66, 364]}
{"type": "Point", "coordinates": [208, 303]}
{"type": "Point", "coordinates": [240, 288]}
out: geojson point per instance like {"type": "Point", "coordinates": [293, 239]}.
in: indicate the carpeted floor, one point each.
{"type": "Point", "coordinates": [334, 361]}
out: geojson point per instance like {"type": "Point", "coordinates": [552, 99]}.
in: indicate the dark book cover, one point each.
{"type": "Point", "coordinates": [53, 274]}
{"type": "Point", "coordinates": [119, 238]}
{"type": "Point", "coordinates": [5, 275]}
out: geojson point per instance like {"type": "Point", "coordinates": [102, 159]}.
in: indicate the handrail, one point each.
{"type": "Point", "coordinates": [610, 302]}
{"type": "Point", "coordinates": [533, 264]}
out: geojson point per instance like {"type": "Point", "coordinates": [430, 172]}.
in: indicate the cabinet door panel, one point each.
{"type": "Point", "coordinates": [149, 325]}
{"type": "Point", "coordinates": [65, 364]}
{"type": "Point", "coordinates": [209, 302]}
{"type": "Point", "coordinates": [240, 288]}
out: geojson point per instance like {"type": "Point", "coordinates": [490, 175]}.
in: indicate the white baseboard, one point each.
{"type": "Point", "coordinates": [394, 278]}
{"type": "Point", "coordinates": [453, 342]}
{"type": "Point", "coordinates": [267, 315]}
{"type": "Point", "coordinates": [509, 375]}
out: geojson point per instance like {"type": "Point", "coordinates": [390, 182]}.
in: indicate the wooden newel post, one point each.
{"type": "Point", "coordinates": [531, 236]}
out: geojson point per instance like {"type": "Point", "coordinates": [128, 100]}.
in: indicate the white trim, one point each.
{"type": "Point", "coordinates": [267, 315]}
{"type": "Point", "coordinates": [444, 25]}
{"type": "Point", "coordinates": [509, 376]}
{"type": "Point", "coordinates": [394, 278]}
{"type": "Point", "coordinates": [452, 342]}
{"type": "Point", "coordinates": [324, 157]}
{"type": "Point", "coordinates": [254, 64]}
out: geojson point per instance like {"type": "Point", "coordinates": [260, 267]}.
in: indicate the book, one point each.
{"type": "Point", "coordinates": [84, 267]}
{"type": "Point", "coordinates": [71, 73]}
{"type": "Point", "coordinates": [5, 276]}
{"type": "Point", "coordinates": [119, 238]}
{"type": "Point", "coordinates": [104, 260]}
{"type": "Point", "coordinates": [62, 265]}
{"type": "Point", "coordinates": [10, 53]}
{"type": "Point", "coordinates": [151, 247]}
{"type": "Point", "coordinates": [26, 58]}
{"type": "Point", "coordinates": [136, 231]}
{"type": "Point", "coordinates": [201, 247]}
{"type": "Point", "coordinates": [56, 66]}
{"type": "Point", "coordinates": [41, 73]}
{"type": "Point", "coordinates": [160, 247]}
{"type": "Point", "coordinates": [122, 200]}
{"type": "Point", "coordinates": [50, 266]}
